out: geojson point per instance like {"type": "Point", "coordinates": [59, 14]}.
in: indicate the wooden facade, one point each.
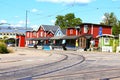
{"type": "Point", "coordinates": [88, 31]}
{"type": "Point", "coordinates": [42, 35]}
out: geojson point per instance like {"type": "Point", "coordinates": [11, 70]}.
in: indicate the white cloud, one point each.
{"type": "Point", "coordinates": [35, 27]}
{"type": "Point", "coordinates": [53, 21]}
{"type": "Point", "coordinates": [103, 17]}
{"type": "Point", "coordinates": [67, 1]}
{"type": "Point", "coordinates": [17, 25]}
{"type": "Point", "coordinates": [3, 21]}
{"type": "Point", "coordinates": [21, 22]}
{"type": "Point", "coordinates": [34, 10]}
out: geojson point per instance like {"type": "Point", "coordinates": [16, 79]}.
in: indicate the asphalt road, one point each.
{"type": "Point", "coordinates": [37, 64]}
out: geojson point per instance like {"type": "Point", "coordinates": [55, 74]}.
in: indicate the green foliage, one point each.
{"type": "Point", "coordinates": [115, 44]}
{"type": "Point", "coordinates": [3, 48]}
{"type": "Point", "coordinates": [69, 20]}
{"type": "Point", "coordinates": [116, 28]}
{"type": "Point", "coordinates": [111, 20]}
{"type": "Point", "coordinates": [5, 37]}
{"type": "Point", "coordinates": [2, 40]}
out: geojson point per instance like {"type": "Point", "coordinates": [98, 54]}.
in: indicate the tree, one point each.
{"type": "Point", "coordinates": [116, 28]}
{"type": "Point", "coordinates": [69, 20]}
{"type": "Point", "coordinates": [111, 20]}
{"type": "Point", "coordinates": [60, 21]}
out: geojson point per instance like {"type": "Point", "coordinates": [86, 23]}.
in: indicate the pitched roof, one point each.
{"type": "Point", "coordinates": [95, 24]}
{"type": "Point", "coordinates": [11, 29]}
{"type": "Point", "coordinates": [50, 27]}
{"type": "Point", "coordinates": [64, 31]}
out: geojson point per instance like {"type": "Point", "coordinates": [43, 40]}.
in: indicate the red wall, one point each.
{"type": "Point", "coordinates": [39, 32]}
{"type": "Point", "coordinates": [71, 32]}
{"type": "Point", "coordinates": [30, 34]}
{"type": "Point", "coordinates": [105, 29]}
{"type": "Point", "coordinates": [82, 30]}
{"type": "Point", "coordinates": [21, 40]}
{"type": "Point", "coordinates": [34, 34]}
{"type": "Point", "coordinates": [93, 29]}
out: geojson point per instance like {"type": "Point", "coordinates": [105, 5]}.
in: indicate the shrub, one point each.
{"type": "Point", "coordinates": [3, 48]}
{"type": "Point", "coordinates": [10, 50]}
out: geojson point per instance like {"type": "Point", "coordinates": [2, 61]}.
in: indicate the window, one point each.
{"type": "Point", "coordinates": [86, 28]}
{"type": "Point", "coordinates": [28, 34]}
{"type": "Point", "coordinates": [106, 41]}
{"type": "Point", "coordinates": [71, 31]}
{"type": "Point", "coordinates": [41, 34]}
{"type": "Point", "coordinates": [34, 33]}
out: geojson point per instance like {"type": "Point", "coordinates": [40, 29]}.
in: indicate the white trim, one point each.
{"type": "Point", "coordinates": [104, 35]}
{"type": "Point", "coordinates": [19, 41]}
{"type": "Point", "coordinates": [76, 32]}
{"type": "Point", "coordinates": [92, 29]}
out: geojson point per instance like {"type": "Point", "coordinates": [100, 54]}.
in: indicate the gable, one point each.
{"type": "Point", "coordinates": [59, 32]}
{"type": "Point", "coordinates": [40, 28]}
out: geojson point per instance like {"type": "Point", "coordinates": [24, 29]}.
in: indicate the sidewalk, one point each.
{"type": "Point", "coordinates": [20, 53]}
{"type": "Point", "coordinates": [27, 57]}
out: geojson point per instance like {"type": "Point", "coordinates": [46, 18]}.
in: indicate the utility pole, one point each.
{"type": "Point", "coordinates": [26, 19]}
{"type": "Point", "coordinates": [26, 24]}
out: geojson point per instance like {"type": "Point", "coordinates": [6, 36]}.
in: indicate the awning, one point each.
{"type": "Point", "coordinates": [70, 37]}
{"type": "Point", "coordinates": [43, 38]}
{"type": "Point", "coordinates": [36, 39]}
{"type": "Point", "coordinates": [87, 36]}
{"type": "Point", "coordinates": [105, 35]}
{"type": "Point", "coordinates": [29, 38]}
{"type": "Point", "coordinates": [57, 37]}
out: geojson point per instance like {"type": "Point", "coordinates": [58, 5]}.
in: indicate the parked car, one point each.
{"type": "Point", "coordinates": [11, 45]}
{"type": "Point", "coordinates": [31, 45]}
{"type": "Point", "coordinates": [47, 47]}
{"type": "Point", "coordinates": [70, 47]}
{"type": "Point", "coordinates": [57, 46]}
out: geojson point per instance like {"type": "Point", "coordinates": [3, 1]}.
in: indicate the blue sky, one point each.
{"type": "Point", "coordinates": [45, 11]}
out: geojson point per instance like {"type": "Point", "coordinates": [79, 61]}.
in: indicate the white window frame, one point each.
{"type": "Point", "coordinates": [86, 28]}
{"type": "Point", "coordinates": [71, 31]}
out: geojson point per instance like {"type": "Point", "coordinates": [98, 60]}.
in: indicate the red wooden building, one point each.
{"type": "Point", "coordinates": [42, 35]}
{"type": "Point", "coordinates": [88, 31]}
{"type": "Point", "coordinates": [20, 40]}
